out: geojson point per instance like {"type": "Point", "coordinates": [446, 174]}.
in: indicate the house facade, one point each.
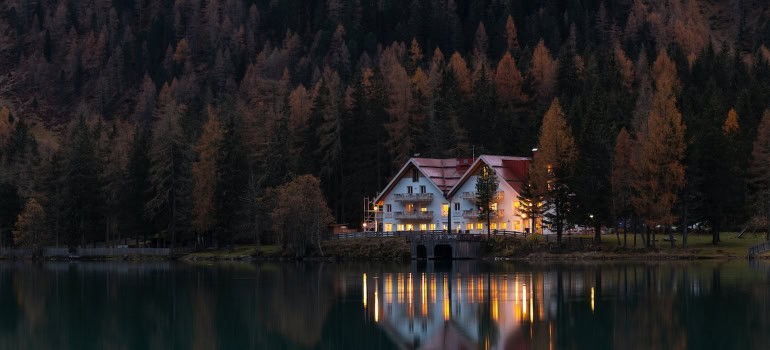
{"type": "Point", "coordinates": [430, 194]}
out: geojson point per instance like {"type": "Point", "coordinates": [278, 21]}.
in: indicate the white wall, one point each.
{"type": "Point", "coordinates": [511, 215]}
{"type": "Point", "coordinates": [399, 206]}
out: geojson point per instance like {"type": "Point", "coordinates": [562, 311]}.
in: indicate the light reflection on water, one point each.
{"type": "Point", "coordinates": [459, 305]}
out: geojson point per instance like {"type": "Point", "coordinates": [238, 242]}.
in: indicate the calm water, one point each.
{"type": "Point", "coordinates": [462, 305]}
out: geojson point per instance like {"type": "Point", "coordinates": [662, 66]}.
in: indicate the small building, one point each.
{"type": "Point", "coordinates": [428, 194]}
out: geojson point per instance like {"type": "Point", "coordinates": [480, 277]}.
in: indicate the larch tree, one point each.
{"type": "Point", "coordinates": [531, 204]}
{"type": "Point", "coordinates": [543, 71]}
{"type": "Point", "coordinates": [621, 178]}
{"type": "Point", "coordinates": [759, 171]}
{"type": "Point", "coordinates": [459, 69]}
{"type": "Point", "coordinates": [169, 176]}
{"type": "Point", "coordinates": [204, 173]}
{"type": "Point", "coordinates": [486, 194]}
{"type": "Point", "coordinates": [659, 168]}
{"type": "Point", "coordinates": [511, 35]}
{"type": "Point", "coordinates": [508, 80]}
{"type": "Point", "coordinates": [31, 230]}
{"type": "Point", "coordinates": [553, 166]}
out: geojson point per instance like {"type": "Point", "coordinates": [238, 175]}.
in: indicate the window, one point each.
{"type": "Point", "coordinates": [444, 209]}
{"type": "Point", "coordinates": [516, 204]}
{"type": "Point", "coordinates": [415, 175]}
{"type": "Point", "coordinates": [423, 189]}
{"type": "Point", "coordinates": [409, 208]}
{"type": "Point", "coordinates": [457, 206]}
{"type": "Point", "coordinates": [388, 227]}
{"type": "Point", "coordinates": [444, 227]}
{"type": "Point", "coordinates": [432, 227]}
{"type": "Point", "coordinates": [424, 210]}
{"type": "Point", "coordinates": [409, 227]}
{"type": "Point", "coordinates": [517, 225]}
{"type": "Point", "coordinates": [493, 206]}
{"type": "Point", "coordinates": [493, 226]}
{"type": "Point", "coordinates": [388, 208]}
{"type": "Point", "coordinates": [503, 225]}
{"type": "Point", "coordinates": [400, 227]}
{"type": "Point", "coordinates": [469, 226]}
{"type": "Point", "coordinates": [423, 227]}
{"type": "Point", "coordinates": [409, 189]}
{"type": "Point", "coordinates": [479, 226]}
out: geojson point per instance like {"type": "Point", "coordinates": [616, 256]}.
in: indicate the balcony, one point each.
{"type": "Point", "coordinates": [472, 196]}
{"type": "Point", "coordinates": [414, 215]}
{"type": "Point", "coordinates": [474, 214]}
{"type": "Point", "coordinates": [413, 197]}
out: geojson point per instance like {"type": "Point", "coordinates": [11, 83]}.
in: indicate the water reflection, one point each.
{"type": "Point", "coordinates": [462, 305]}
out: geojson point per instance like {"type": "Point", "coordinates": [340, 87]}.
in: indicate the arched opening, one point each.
{"type": "Point", "coordinates": [442, 252]}
{"type": "Point", "coordinates": [422, 252]}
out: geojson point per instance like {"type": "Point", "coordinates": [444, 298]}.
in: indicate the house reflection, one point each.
{"type": "Point", "coordinates": [462, 310]}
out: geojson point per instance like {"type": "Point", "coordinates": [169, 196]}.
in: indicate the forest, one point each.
{"type": "Point", "coordinates": [175, 122]}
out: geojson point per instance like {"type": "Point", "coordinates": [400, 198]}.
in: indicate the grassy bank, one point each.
{"type": "Point", "coordinates": [699, 247]}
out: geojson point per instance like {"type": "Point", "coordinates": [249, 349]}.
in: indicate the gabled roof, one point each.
{"type": "Point", "coordinates": [511, 171]}
{"type": "Point", "coordinates": [442, 173]}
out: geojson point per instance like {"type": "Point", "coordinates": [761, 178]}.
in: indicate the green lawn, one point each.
{"type": "Point", "coordinates": [698, 245]}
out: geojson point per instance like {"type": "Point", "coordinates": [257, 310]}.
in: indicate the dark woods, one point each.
{"type": "Point", "coordinates": [174, 122]}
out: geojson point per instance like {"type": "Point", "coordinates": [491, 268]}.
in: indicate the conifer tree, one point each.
{"type": "Point", "coordinates": [204, 172]}
{"type": "Point", "coordinates": [169, 173]}
{"type": "Point", "coordinates": [760, 170]}
{"type": "Point", "coordinates": [486, 193]}
{"type": "Point", "coordinates": [31, 230]}
{"type": "Point", "coordinates": [83, 198]}
{"type": "Point", "coordinates": [553, 167]}
{"type": "Point", "coordinates": [621, 178]}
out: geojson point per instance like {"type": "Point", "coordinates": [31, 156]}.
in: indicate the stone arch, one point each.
{"type": "Point", "coordinates": [442, 252]}
{"type": "Point", "coordinates": [421, 252]}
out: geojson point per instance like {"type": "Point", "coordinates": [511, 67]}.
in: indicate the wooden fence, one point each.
{"type": "Point", "coordinates": [465, 234]}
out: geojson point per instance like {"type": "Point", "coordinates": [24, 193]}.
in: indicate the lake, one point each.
{"type": "Point", "coordinates": [457, 305]}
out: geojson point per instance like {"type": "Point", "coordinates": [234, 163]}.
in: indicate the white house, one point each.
{"type": "Point", "coordinates": [426, 193]}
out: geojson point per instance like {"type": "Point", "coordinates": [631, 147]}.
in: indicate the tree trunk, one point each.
{"type": "Point", "coordinates": [715, 232]}
{"type": "Point", "coordinates": [625, 233]}
{"type": "Point", "coordinates": [684, 225]}
{"type": "Point", "coordinates": [598, 232]}
{"type": "Point", "coordinates": [670, 235]}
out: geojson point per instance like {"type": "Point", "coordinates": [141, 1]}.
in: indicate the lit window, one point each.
{"type": "Point", "coordinates": [424, 210]}
{"type": "Point", "coordinates": [432, 227]}
{"type": "Point", "coordinates": [444, 227]}
{"type": "Point", "coordinates": [409, 227]}
{"type": "Point", "coordinates": [469, 226]}
{"type": "Point", "coordinates": [517, 225]}
{"type": "Point", "coordinates": [400, 227]}
{"type": "Point", "coordinates": [493, 226]}
{"type": "Point", "coordinates": [493, 206]}
{"type": "Point", "coordinates": [479, 226]}
{"type": "Point", "coordinates": [516, 204]}
{"type": "Point", "coordinates": [410, 207]}
{"type": "Point", "coordinates": [423, 227]}
{"type": "Point", "coordinates": [388, 227]}
{"type": "Point", "coordinates": [503, 225]}
{"type": "Point", "coordinates": [444, 209]}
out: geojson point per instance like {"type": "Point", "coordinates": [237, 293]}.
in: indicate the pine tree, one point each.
{"type": "Point", "coordinates": [621, 179]}
{"type": "Point", "coordinates": [760, 170]}
{"type": "Point", "coordinates": [531, 204]}
{"type": "Point", "coordinates": [169, 173]}
{"type": "Point", "coordinates": [486, 194]}
{"type": "Point", "coordinates": [82, 187]}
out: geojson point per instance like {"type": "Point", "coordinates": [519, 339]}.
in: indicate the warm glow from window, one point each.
{"type": "Point", "coordinates": [424, 210]}
{"type": "Point", "coordinates": [517, 225]}
{"type": "Point", "coordinates": [523, 216]}
{"type": "Point", "coordinates": [432, 227]}
{"type": "Point", "coordinates": [444, 209]}
{"type": "Point", "coordinates": [469, 226]}
{"type": "Point", "coordinates": [503, 225]}
{"type": "Point", "coordinates": [388, 227]}
{"type": "Point", "coordinates": [409, 227]}
{"type": "Point", "coordinates": [423, 227]}
{"type": "Point", "coordinates": [388, 288]}
{"type": "Point", "coordinates": [516, 204]}
{"type": "Point", "coordinates": [400, 227]}
{"type": "Point", "coordinates": [445, 226]}
{"type": "Point", "coordinates": [479, 226]}
{"type": "Point", "coordinates": [493, 206]}
{"type": "Point", "coordinates": [493, 226]}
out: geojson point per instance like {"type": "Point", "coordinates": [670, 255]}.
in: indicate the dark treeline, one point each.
{"type": "Point", "coordinates": [171, 121]}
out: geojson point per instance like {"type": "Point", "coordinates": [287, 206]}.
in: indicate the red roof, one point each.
{"type": "Point", "coordinates": [447, 174]}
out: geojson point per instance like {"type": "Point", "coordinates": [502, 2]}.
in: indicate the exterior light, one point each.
{"type": "Point", "coordinates": [534, 149]}
{"type": "Point", "coordinates": [364, 225]}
